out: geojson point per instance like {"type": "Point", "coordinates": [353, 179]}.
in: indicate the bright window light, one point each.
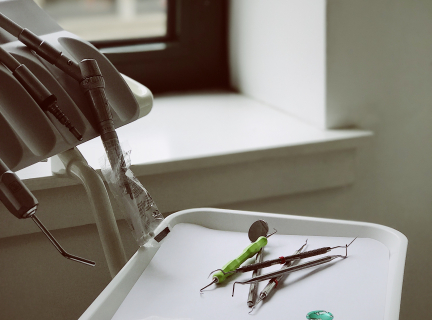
{"type": "Point", "coordinates": [98, 20]}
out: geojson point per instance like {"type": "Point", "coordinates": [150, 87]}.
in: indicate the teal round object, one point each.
{"type": "Point", "coordinates": [319, 314]}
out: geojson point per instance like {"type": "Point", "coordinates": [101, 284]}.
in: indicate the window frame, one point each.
{"type": "Point", "coordinates": [169, 36]}
{"type": "Point", "coordinates": [192, 56]}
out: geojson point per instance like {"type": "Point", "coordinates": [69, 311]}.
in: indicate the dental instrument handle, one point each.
{"type": "Point", "coordinates": [10, 26]}
{"type": "Point", "coordinates": [40, 94]}
{"type": "Point", "coordinates": [247, 253]}
{"type": "Point", "coordinates": [91, 81]}
{"type": "Point", "coordinates": [253, 289]}
{"type": "Point", "coordinates": [299, 267]}
{"type": "Point", "coordinates": [41, 47]}
{"type": "Point", "coordinates": [274, 281]}
{"type": "Point", "coordinates": [15, 195]}
{"type": "Point", "coordinates": [302, 266]}
{"type": "Point", "coordinates": [283, 260]}
{"type": "Point", "coordinates": [93, 85]}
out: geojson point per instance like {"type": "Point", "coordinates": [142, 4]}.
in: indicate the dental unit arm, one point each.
{"type": "Point", "coordinates": [92, 83]}
{"type": "Point", "coordinates": [89, 90]}
{"type": "Point", "coordinates": [94, 105]}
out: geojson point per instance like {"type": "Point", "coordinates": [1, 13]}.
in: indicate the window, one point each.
{"type": "Point", "coordinates": [101, 20]}
{"type": "Point", "coordinates": [192, 56]}
{"type": "Point", "coordinates": [186, 51]}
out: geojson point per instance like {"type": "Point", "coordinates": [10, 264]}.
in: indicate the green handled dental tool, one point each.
{"type": "Point", "coordinates": [247, 253]}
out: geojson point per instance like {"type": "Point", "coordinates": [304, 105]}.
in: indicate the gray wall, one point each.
{"type": "Point", "coordinates": [38, 283]}
{"type": "Point", "coordinates": [378, 77]}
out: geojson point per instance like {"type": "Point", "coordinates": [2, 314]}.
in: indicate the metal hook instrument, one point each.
{"type": "Point", "coordinates": [274, 281]}
{"type": "Point", "coordinates": [306, 265]}
{"type": "Point", "coordinates": [258, 234]}
{"type": "Point", "coordinates": [283, 260]}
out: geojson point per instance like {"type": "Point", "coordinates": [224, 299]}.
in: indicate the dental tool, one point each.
{"type": "Point", "coordinates": [257, 229]}
{"type": "Point", "coordinates": [283, 260]}
{"type": "Point", "coordinates": [299, 267]}
{"type": "Point", "coordinates": [248, 252]}
{"type": "Point", "coordinates": [275, 281]}
{"type": "Point", "coordinates": [40, 94]}
{"type": "Point", "coordinates": [253, 289]}
{"type": "Point", "coordinates": [93, 85]}
{"type": "Point", "coordinates": [19, 200]}
{"type": "Point", "coordinates": [258, 235]}
{"type": "Point", "coordinates": [41, 47]}
{"type": "Point", "coordinates": [58, 246]}
{"type": "Point", "coordinates": [88, 74]}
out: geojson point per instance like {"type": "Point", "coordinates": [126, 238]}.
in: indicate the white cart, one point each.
{"type": "Point", "coordinates": [163, 283]}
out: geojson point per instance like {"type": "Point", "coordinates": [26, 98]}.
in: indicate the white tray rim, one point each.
{"type": "Point", "coordinates": [107, 303]}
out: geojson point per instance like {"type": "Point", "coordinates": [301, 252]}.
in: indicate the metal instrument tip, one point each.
{"type": "Point", "coordinates": [215, 280]}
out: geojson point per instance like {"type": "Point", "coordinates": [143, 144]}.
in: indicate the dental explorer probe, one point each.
{"type": "Point", "coordinates": [253, 289]}
{"type": "Point", "coordinates": [275, 281]}
{"type": "Point", "coordinates": [257, 229]}
{"type": "Point", "coordinates": [40, 94]}
{"type": "Point", "coordinates": [18, 199]}
{"type": "Point", "coordinates": [283, 260]}
{"type": "Point", "coordinates": [299, 267]}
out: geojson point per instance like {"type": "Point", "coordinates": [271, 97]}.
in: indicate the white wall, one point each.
{"type": "Point", "coordinates": [277, 54]}
{"type": "Point", "coordinates": [378, 76]}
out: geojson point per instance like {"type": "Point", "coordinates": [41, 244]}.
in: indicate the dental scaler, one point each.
{"type": "Point", "coordinates": [247, 253]}
{"type": "Point", "coordinates": [18, 199]}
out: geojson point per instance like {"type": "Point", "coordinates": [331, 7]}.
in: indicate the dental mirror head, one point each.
{"type": "Point", "coordinates": [258, 229]}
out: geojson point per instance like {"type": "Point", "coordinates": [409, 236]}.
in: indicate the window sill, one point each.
{"type": "Point", "coordinates": [190, 131]}
{"type": "Point", "coordinates": [205, 149]}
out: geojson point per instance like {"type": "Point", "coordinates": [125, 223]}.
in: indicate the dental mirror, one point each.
{"type": "Point", "coordinates": [258, 229]}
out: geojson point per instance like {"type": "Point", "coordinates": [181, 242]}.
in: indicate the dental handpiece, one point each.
{"type": "Point", "coordinates": [93, 85]}
{"type": "Point", "coordinates": [40, 94]}
{"type": "Point", "coordinates": [41, 47]}
{"type": "Point", "coordinates": [87, 73]}
{"type": "Point", "coordinates": [18, 199]}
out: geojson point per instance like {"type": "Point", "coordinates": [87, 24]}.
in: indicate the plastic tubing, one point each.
{"type": "Point", "coordinates": [8, 60]}
{"type": "Point", "coordinates": [10, 26]}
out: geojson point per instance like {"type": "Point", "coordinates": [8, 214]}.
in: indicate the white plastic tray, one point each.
{"type": "Point", "coordinates": [157, 296]}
